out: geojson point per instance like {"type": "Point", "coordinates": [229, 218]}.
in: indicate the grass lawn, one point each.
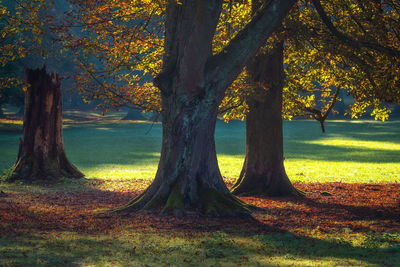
{"type": "Point", "coordinates": [350, 151]}
{"type": "Point", "coordinates": [358, 223]}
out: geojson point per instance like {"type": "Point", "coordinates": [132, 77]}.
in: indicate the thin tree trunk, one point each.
{"type": "Point", "coordinates": [263, 173]}
{"type": "Point", "coordinates": [41, 154]}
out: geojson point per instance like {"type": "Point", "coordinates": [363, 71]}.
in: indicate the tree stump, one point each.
{"type": "Point", "coordinates": [41, 154]}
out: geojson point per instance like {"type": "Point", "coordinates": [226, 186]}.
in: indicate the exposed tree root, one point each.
{"type": "Point", "coordinates": [266, 186]}
{"type": "Point", "coordinates": [210, 202]}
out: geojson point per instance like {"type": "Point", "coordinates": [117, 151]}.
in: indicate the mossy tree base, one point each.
{"type": "Point", "coordinates": [41, 153]}
{"type": "Point", "coordinates": [188, 179]}
{"type": "Point", "coordinates": [210, 202]}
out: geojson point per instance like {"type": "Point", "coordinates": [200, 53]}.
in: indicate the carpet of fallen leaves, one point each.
{"type": "Point", "coordinates": [328, 207]}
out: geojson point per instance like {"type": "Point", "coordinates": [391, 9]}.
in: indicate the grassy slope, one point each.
{"type": "Point", "coordinates": [349, 152]}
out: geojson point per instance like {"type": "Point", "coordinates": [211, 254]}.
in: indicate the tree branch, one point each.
{"type": "Point", "coordinates": [318, 115]}
{"type": "Point", "coordinates": [347, 39]}
{"type": "Point", "coordinates": [225, 66]}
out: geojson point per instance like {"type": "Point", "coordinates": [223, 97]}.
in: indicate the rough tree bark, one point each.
{"type": "Point", "coordinates": [41, 154]}
{"type": "Point", "coordinates": [263, 173]}
{"type": "Point", "coordinates": [192, 84]}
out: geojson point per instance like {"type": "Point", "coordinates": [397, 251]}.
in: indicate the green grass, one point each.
{"type": "Point", "coordinates": [132, 248]}
{"type": "Point", "coordinates": [350, 151]}
{"type": "Point", "coordinates": [365, 151]}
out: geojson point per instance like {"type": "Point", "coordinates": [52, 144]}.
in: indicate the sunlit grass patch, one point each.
{"type": "Point", "coordinates": [346, 172]}
{"type": "Point", "coordinates": [363, 151]}
{"type": "Point", "coordinates": [136, 247]}
{"type": "Point", "coordinates": [116, 171]}
{"type": "Point", "coordinates": [341, 141]}
{"type": "Point", "coordinates": [10, 126]}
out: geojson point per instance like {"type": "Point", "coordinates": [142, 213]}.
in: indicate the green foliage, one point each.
{"type": "Point", "coordinates": [318, 62]}
{"type": "Point", "coordinates": [23, 25]}
{"type": "Point", "coordinates": [119, 53]}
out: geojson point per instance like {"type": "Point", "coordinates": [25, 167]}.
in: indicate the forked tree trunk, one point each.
{"type": "Point", "coordinates": [192, 84]}
{"type": "Point", "coordinates": [188, 178]}
{"type": "Point", "coordinates": [263, 173]}
{"type": "Point", "coordinates": [41, 154]}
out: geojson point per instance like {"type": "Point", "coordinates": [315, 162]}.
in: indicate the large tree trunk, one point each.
{"type": "Point", "coordinates": [188, 178]}
{"type": "Point", "coordinates": [41, 154]}
{"type": "Point", "coordinates": [192, 84]}
{"type": "Point", "coordinates": [263, 173]}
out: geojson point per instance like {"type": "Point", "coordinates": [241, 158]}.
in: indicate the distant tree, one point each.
{"type": "Point", "coordinates": [41, 154]}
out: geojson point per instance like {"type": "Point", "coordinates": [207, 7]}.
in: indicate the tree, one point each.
{"type": "Point", "coordinates": [192, 84]}
{"type": "Point", "coordinates": [314, 69]}
{"type": "Point", "coordinates": [41, 154]}
{"type": "Point", "coordinates": [259, 177]}
{"type": "Point", "coordinates": [263, 173]}
{"type": "Point", "coordinates": [353, 51]}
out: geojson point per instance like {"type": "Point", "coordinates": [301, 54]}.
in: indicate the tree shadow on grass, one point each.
{"type": "Point", "coordinates": [225, 245]}
{"type": "Point", "coordinates": [332, 217]}
{"type": "Point", "coordinates": [292, 249]}
{"type": "Point", "coordinates": [333, 207]}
